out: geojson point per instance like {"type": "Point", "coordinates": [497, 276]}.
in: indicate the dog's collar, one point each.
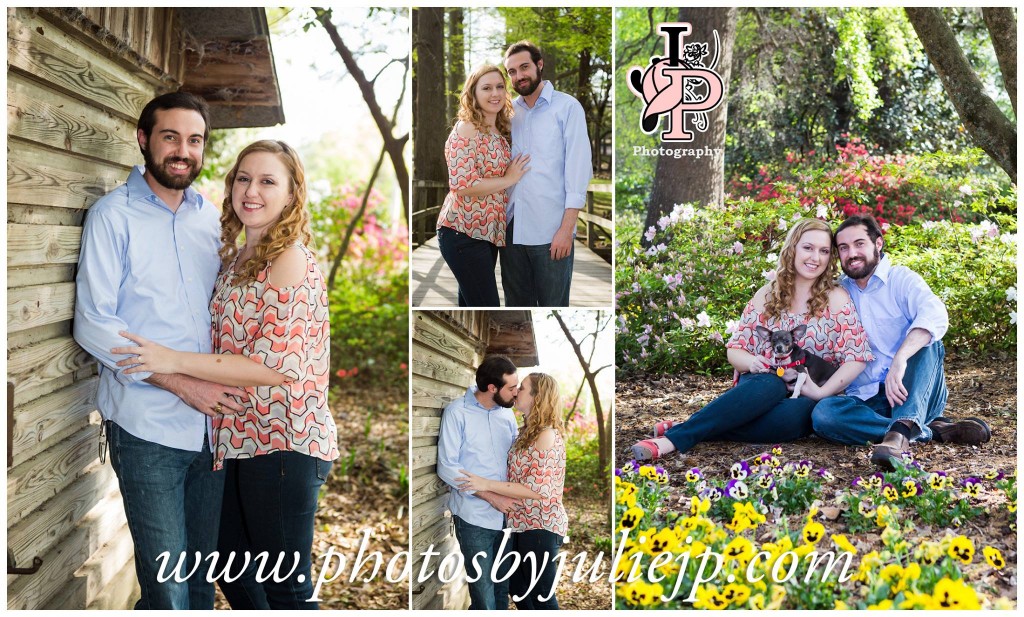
{"type": "Point", "coordinates": [792, 364]}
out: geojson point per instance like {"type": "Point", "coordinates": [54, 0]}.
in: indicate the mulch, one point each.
{"type": "Point", "coordinates": [984, 386]}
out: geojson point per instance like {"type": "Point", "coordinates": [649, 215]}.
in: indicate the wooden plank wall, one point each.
{"type": "Point", "coordinates": [72, 106]}
{"type": "Point", "coordinates": [447, 346]}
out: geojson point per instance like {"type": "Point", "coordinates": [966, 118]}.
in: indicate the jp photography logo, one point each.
{"type": "Point", "coordinates": [682, 86]}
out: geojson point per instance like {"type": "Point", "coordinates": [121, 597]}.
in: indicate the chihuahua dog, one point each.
{"type": "Point", "coordinates": [790, 355]}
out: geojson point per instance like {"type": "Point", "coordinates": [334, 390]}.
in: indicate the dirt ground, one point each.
{"type": "Point", "coordinates": [984, 387]}
{"type": "Point", "coordinates": [590, 533]}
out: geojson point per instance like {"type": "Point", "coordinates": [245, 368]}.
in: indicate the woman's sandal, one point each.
{"type": "Point", "coordinates": [662, 427]}
{"type": "Point", "coordinates": [646, 450]}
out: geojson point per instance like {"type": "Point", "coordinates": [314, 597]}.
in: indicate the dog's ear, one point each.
{"type": "Point", "coordinates": [763, 332]}
{"type": "Point", "coordinates": [798, 332]}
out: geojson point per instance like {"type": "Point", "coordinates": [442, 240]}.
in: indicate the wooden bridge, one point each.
{"type": "Point", "coordinates": [434, 285]}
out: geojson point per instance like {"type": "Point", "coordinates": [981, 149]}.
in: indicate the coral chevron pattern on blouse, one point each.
{"type": "Point", "coordinates": [470, 160]}
{"type": "Point", "coordinates": [544, 473]}
{"type": "Point", "coordinates": [288, 330]}
{"type": "Point", "coordinates": [836, 336]}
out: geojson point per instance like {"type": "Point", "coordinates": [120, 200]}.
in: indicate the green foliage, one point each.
{"type": "Point", "coordinates": [369, 296]}
{"type": "Point", "coordinates": [583, 472]}
{"type": "Point", "coordinates": [680, 291]}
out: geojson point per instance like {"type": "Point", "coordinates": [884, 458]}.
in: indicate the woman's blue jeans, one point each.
{"type": "Point", "coordinates": [270, 505]}
{"type": "Point", "coordinates": [757, 410]}
{"type": "Point", "coordinates": [543, 545]}
{"type": "Point", "coordinates": [472, 262]}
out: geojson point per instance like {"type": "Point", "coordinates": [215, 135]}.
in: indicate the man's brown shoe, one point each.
{"type": "Point", "coordinates": [971, 431]}
{"type": "Point", "coordinates": [892, 447]}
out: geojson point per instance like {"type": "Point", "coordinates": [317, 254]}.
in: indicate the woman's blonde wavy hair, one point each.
{"type": "Point", "coordinates": [780, 291]}
{"type": "Point", "coordinates": [545, 412]}
{"type": "Point", "coordinates": [470, 112]}
{"type": "Point", "coordinates": [292, 227]}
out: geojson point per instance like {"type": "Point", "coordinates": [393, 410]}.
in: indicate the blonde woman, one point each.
{"type": "Point", "coordinates": [758, 409]}
{"type": "Point", "coordinates": [536, 473]}
{"type": "Point", "coordinates": [270, 336]}
{"type": "Point", "coordinates": [471, 225]}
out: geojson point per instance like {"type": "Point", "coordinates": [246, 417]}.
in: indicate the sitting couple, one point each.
{"type": "Point", "coordinates": [548, 165]}
{"type": "Point", "coordinates": [502, 477]}
{"type": "Point", "coordinates": [895, 388]}
{"type": "Point", "coordinates": [221, 439]}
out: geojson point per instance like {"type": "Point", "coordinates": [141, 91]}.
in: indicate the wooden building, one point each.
{"type": "Point", "coordinates": [76, 82]}
{"type": "Point", "coordinates": [447, 346]}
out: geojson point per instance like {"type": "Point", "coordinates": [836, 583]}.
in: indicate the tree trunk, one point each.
{"type": "Point", "coordinates": [1002, 27]}
{"type": "Point", "coordinates": [690, 179]}
{"type": "Point", "coordinates": [431, 128]}
{"type": "Point", "coordinates": [988, 127]}
{"type": "Point", "coordinates": [456, 62]}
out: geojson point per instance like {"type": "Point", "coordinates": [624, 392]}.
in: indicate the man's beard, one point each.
{"type": "Point", "coordinates": [168, 180]}
{"type": "Point", "coordinates": [531, 86]}
{"type": "Point", "coordinates": [506, 403]}
{"type": "Point", "coordinates": [870, 263]}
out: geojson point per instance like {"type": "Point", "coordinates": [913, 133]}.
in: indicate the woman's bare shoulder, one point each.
{"type": "Point", "coordinates": [289, 268]}
{"type": "Point", "coordinates": [546, 439]}
{"type": "Point", "coordinates": [466, 130]}
{"type": "Point", "coordinates": [760, 297]}
{"type": "Point", "coordinates": [838, 298]}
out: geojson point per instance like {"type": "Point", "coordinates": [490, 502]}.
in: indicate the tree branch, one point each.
{"type": "Point", "coordinates": [391, 145]}
{"type": "Point", "coordinates": [1002, 27]}
{"type": "Point", "coordinates": [985, 123]}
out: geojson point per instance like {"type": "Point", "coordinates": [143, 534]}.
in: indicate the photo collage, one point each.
{"type": "Point", "coordinates": [532, 308]}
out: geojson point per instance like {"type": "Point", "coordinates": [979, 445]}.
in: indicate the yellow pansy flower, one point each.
{"type": "Point", "coordinates": [630, 518]}
{"type": "Point", "coordinates": [737, 594]}
{"type": "Point", "coordinates": [813, 533]}
{"type": "Point", "coordinates": [884, 605]}
{"type": "Point", "coordinates": [993, 557]}
{"type": "Point", "coordinates": [961, 549]}
{"type": "Point", "coordinates": [843, 544]}
{"type": "Point", "coordinates": [954, 595]}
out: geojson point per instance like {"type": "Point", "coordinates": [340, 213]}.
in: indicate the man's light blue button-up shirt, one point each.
{"type": "Point", "coordinates": [149, 271]}
{"type": "Point", "coordinates": [476, 439]}
{"type": "Point", "coordinates": [895, 301]}
{"type": "Point", "coordinates": [554, 134]}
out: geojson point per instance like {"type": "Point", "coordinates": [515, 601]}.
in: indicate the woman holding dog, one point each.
{"type": "Point", "coordinates": [758, 409]}
{"type": "Point", "coordinates": [536, 474]}
{"type": "Point", "coordinates": [270, 336]}
{"type": "Point", "coordinates": [471, 225]}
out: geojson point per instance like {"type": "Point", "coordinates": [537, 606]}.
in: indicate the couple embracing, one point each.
{"type": "Point", "coordinates": [506, 485]}
{"type": "Point", "coordinates": [214, 360]}
{"type": "Point", "coordinates": [879, 327]}
{"type": "Point", "coordinates": [518, 173]}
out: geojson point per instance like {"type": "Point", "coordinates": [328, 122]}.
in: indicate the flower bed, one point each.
{"type": "Point", "coordinates": [779, 534]}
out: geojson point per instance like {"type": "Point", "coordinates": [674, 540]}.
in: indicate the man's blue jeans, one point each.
{"type": "Point", "coordinates": [757, 410]}
{"type": "Point", "coordinates": [270, 505]}
{"type": "Point", "coordinates": [544, 546]}
{"type": "Point", "coordinates": [529, 277]}
{"type": "Point", "coordinates": [172, 502]}
{"type": "Point", "coordinates": [851, 421]}
{"type": "Point", "coordinates": [485, 593]}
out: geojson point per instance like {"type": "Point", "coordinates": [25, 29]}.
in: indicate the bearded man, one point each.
{"type": "Point", "coordinates": [902, 393]}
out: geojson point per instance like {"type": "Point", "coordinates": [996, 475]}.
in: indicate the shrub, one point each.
{"type": "Point", "coordinates": [679, 294]}
{"type": "Point", "coordinates": [369, 298]}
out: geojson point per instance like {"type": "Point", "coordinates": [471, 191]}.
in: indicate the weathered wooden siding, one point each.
{"type": "Point", "coordinates": [447, 346]}
{"type": "Point", "coordinates": [76, 82]}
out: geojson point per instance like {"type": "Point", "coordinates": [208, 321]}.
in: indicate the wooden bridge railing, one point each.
{"type": "Point", "coordinates": [593, 229]}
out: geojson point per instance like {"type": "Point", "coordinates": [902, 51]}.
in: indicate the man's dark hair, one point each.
{"type": "Point", "coordinates": [174, 100]}
{"type": "Point", "coordinates": [870, 224]}
{"type": "Point", "coordinates": [492, 371]}
{"type": "Point", "coordinates": [515, 48]}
